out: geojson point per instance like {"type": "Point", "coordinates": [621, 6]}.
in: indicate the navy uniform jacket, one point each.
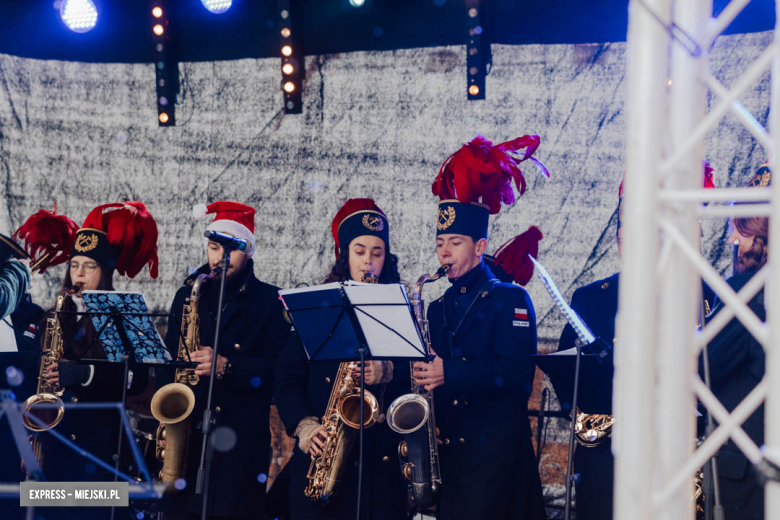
{"type": "Point", "coordinates": [303, 390]}
{"type": "Point", "coordinates": [485, 333]}
{"type": "Point", "coordinates": [736, 367]}
{"type": "Point", "coordinates": [24, 319]}
{"type": "Point", "coordinates": [253, 333]}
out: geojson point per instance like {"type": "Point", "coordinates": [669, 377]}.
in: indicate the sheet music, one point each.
{"type": "Point", "coordinates": [7, 336]}
{"type": "Point", "coordinates": [579, 326]}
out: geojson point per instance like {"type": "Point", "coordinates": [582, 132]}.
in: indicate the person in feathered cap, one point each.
{"type": "Point", "coordinates": [483, 332]}
{"type": "Point", "coordinates": [361, 232]}
{"type": "Point", "coordinates": [47, 238]}
{"type": "Point", "coordinates": [597, 305]}
{"type": "Point", "coordinates": [117, 237]}
{"type": "Point", "coordinates": [253, 332]}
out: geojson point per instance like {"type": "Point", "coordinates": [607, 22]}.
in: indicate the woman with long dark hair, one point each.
{"type": "Point", "coordinates": [361, 234]}
{"type": "Point", "coordinates": [118, 237]}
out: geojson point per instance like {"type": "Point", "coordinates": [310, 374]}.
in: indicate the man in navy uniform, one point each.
{"type": "Point", "coordinates": [484, 333]}
{"type": "Point", "coordinates": [737, 364]}
{"type": "Point", "coordinates": [252, 334]}
{"type": "Point", "coordinates": [597, 305]}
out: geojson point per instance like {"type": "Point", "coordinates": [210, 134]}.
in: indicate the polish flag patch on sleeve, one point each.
{"type": "Point", "coordinates": [521, 318]}
{"type": "Point", "coordinates": [31, 331]}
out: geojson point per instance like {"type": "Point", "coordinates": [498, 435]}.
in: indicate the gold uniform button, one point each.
{"type": "Point", "coordinates": [327, 380]}
{"type": "Point", "coordinates": [385, 459]}
{"type": "Point", "coordinates": [463, 359]}
{"type": "Point", "coordinates": [237, 346]}
{"type": "Point", "coordinates": [605, 285]}
{"type": "Point", "coordinates": [462, 440]}
{"type": "Point", "coordinates": [74, 399]}
{"type": "Point", "coordinates": [446, 441]}
{"type": "Point", "coordinates": [73, 437]}
{"type": "Point", "coordinates": [217, 409]}
{"type": "Point", "coordinates": [462, 290]}
{"type": "Point", "coordinates": [455, 402]}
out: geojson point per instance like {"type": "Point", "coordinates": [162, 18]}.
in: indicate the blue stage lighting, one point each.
{"type": "Point", "coordinates": [79, 15]}
{"type": "Point", "coordinates": [357, 3]}
{"type": "Point", "coordinates": [217, 6]}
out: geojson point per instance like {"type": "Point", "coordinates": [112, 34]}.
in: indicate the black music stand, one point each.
{"type": "Point", "coordinates": [349, 322]}
{"type": "Point", "coordinates": [119, 323]}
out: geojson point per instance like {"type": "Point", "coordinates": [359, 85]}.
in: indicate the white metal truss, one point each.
{"type": "Point", "coordinates": [658, 344]}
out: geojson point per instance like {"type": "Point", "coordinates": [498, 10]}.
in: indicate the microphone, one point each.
{"type": "Point", "coordinates": [226, 241]}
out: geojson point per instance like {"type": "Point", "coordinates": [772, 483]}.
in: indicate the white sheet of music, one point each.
{"type": "Point", "coordinates": [392, 309]}
{"type": "Point", "coordinates": [7, 336]}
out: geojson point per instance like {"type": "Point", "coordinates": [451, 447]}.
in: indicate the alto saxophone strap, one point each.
{"type": "Point", "coordinates": [488, 286]}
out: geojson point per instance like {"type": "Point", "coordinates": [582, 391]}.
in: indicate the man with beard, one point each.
{"type": "Point", "coordinates": [736, 361]}
{"type": "Point", "coordinates": [253, 332]}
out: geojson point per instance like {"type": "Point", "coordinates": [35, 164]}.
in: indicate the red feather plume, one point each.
{"type": "Point", "coordinates": [47, 234]}
{"type": "Point", "coordinates": [131, 227]}
{"type": "Point", "coordinates": [482, 172]}
{"type": "Point", "coordinates": [513, 259]}
{"type": "Point", "coordinates": [349, 207]}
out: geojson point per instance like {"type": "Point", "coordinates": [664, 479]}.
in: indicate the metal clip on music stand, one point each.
{"type": "Point", "coordinates": [350, 322]}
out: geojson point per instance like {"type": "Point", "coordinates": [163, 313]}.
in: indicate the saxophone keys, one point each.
{"type": "Point", "coordinates": [403, 449]}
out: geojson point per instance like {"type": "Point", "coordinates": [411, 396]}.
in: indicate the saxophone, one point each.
{"type": "Point", "coordinates": [47, 396]}
{"type": "Point", "coordinates": [590, 430]}
{"type": "Point", "coordinates": [51, 352]}
{"type": "Point", "coordinates": [342, 422]}
{"type": "Point", "coordinates": [408, 414]}
{"type": "Point", "coordinates": [173, 403]}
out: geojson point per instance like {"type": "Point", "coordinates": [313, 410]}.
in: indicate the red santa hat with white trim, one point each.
{"type": "Point", "coordinates": [232, 218]}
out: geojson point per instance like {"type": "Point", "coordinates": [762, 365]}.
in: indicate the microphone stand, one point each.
{"type": "Point", "coordinates": [207, 447]}
{"type": "Point", "coordinates": [713, 509]}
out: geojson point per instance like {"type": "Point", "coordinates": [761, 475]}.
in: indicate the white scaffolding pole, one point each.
{"type": "Point", "coordinates": [634, 442]}
{"type": "Point", "coordinates": [657, 350]}
{"type": "Point", "coordinates": [678, 281]}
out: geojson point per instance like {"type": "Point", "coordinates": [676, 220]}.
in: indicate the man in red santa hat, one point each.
{"type": "Point", "coordinates": [253, 332]}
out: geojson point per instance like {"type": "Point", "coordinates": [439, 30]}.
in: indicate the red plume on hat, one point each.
{"type": "Point", "coordinates": [129, 226]}
{"type": "Point", "coordinates": [512, 257]}
{"type": "Point", "coordinates": [350, 207]}
{"type": "Point", "coordinates": [48, 238]}
{"type": "Point", "coordinates": [483, 172]}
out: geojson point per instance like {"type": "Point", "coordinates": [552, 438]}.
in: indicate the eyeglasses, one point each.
{"type": "Point", "coordinates": [89, 267]}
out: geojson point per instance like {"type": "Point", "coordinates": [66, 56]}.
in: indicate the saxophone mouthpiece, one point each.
{"type": "Point", "coordinates": [75, 289]}
{"type": "Point", "coordinates": [443, 270]}
{"type": "Point", "coordinates": [215, 272]}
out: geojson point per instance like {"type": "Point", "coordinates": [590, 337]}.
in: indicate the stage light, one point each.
{"type": "Point", "coordinates": [79, 15]}
{"type": "Point", "coordinates": [166, 69]}
{"type": "Point", "coordinates": [478, 55]}
{"type": "Point", "coordinates": [291, 44]}
{"type": "Point", "coordinates": [217, 6]}
{"type": "Point", "coordinates": [357, 3]}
